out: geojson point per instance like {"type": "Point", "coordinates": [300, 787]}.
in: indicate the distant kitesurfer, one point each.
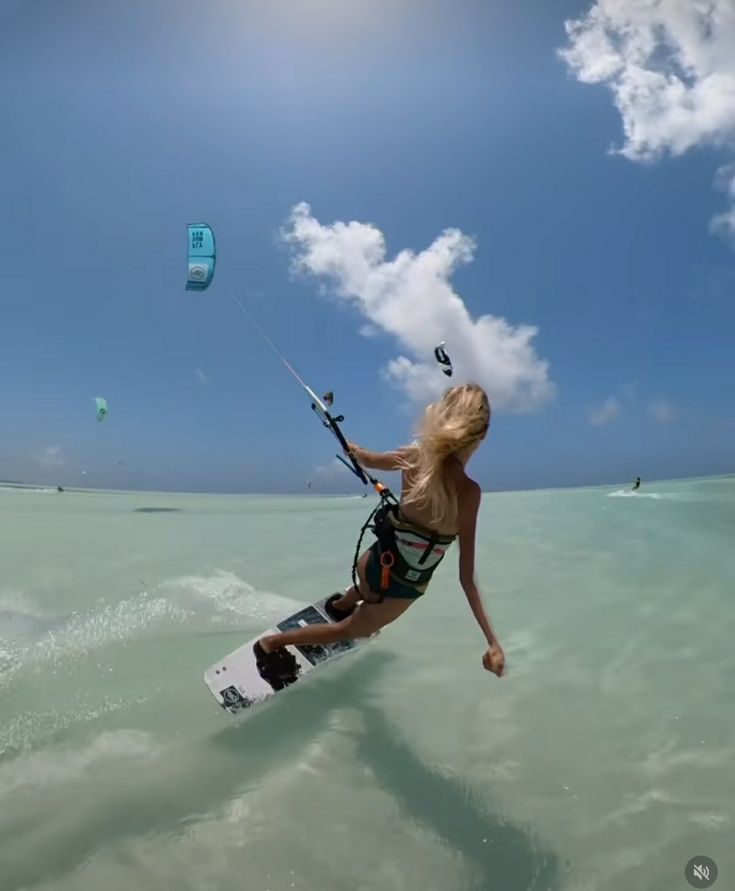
{"type": "Point", "coordinates": [637, 483]}
{"type": "Point", "coordinates": [439, 503]}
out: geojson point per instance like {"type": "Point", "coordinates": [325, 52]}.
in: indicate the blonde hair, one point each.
{"type": "Point", "coordinates": [459, 420]}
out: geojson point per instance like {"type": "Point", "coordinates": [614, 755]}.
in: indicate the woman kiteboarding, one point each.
{"type": "Point", "coordinates": [439, 503]}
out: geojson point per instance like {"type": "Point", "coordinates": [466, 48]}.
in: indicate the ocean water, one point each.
{"type": "Point", "coordinates": [603, 760]}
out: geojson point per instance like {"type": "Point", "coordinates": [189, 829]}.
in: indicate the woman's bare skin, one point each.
{"type": "Point", "coordinates": [371, 612]}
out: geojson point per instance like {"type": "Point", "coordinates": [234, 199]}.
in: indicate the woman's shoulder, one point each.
{"type": "Point", "coordinates": [469, 495]}
{"type": "Point", "coordinates": [469, 491]}
{"type": "Point", "coordinates": [464, 484]}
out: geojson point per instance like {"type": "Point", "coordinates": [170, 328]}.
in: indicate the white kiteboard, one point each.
{"type": "Point", "coordinates": [235, 681]}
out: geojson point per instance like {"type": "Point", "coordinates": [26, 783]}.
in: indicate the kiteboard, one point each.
{"type": "Point", "coordinates": [235, 681]}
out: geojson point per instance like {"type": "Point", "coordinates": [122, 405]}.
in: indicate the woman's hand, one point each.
{"type": "Point", "coordinates": [494, 660]}
{"type": "Point", "coordinates": [353, 450]}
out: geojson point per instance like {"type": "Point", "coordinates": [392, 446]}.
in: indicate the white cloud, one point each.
{"type": "Point", "coordinates": [411, 298]}
{"type": "Point", "coordinates": [724, 223]}
{"type": "Point", "coordinates": [603, 414]}
{"type": "Point", "coordinates": [670, 65]}
{"type": "Point", "coordinates": [202, 375]}
{"type": "Point", "coordinates": [51, 457]}
{"type": "Point", "coordinates": [663, 411]}
{"type": "Point", "coordinates": [325, 472]}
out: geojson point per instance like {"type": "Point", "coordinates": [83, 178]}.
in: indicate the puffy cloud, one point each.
{"type": "Point", "coordinates": [51, 457]}
{"type": "Point", "coordinates": [410, 297]}
{"type": "Point", "coordinates": [663, 411]}
{"type": "Point", "coordinates": [670, 65]}
{"type": "Point", "coordinates": [334, 470]}
{"type": "Point", "coordinates": [724, 223]}
{"type": "Point", "coordinates": [605, 413]}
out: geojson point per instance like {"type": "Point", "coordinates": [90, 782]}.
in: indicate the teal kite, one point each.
{"type": "Point", "coordinates": [202, 256]}
{"type": "Point", "coordinates": [102, 407]}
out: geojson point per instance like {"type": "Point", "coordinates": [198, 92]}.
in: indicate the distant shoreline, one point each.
{"type": "Point", "coordinates": [646, 484]}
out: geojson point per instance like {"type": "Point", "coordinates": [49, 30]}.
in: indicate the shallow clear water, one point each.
{"type": "Point", "coordinates": [604, 760]}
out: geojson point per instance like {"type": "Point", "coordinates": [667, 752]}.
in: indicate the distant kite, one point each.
{"type": "Point", "coordinates": [443, 359]}
{"type": "Point", "coordinates": [102, 407]}
{"type": "Point", "coordinates": [202, 256]}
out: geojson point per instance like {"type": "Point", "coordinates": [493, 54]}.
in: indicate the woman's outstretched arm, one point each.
{"type": "Point", "coordinates": [376, 460]}
{"type": "Point", "coordinates": [468, 507]}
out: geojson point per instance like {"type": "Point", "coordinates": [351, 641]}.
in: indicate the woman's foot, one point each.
{"type": "Point", "coordinates": [277, 667]}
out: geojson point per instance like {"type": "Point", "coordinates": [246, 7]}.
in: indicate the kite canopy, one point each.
{"type": "Point", "coordinates": [440, 354]}
{"type": "Point", "coordinates": [102, 408]}
{"type": "Point", "coordinates": [202, 256]}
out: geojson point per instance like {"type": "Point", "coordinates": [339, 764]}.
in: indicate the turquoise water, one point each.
{"type": "Point", "coordinates": [604, 760]}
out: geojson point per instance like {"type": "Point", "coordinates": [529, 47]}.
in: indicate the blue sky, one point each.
{"type": "Point", "coordinates": [124, 122]}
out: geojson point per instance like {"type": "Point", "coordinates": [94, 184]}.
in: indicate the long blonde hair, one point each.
{"type": "Point", "coordinates": [460, 419]}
